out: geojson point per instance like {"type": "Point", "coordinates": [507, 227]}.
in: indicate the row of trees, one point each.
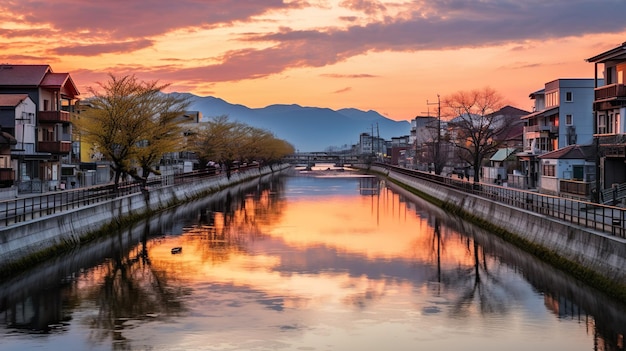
{"type": "Point", "coordinates": [132, 124]}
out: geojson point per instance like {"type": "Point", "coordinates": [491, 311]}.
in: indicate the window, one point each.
{"type": "Point", "coordinates": [5, 161]}
{"type": "Point", "coordinates": [601, 124]}
{"type": "Point", "coordinates": [569, 97]}
{"type": "Point", "coordinates": [579, 172]}
{"type": "Point", "coordinates": [552, 99]}
{"type": "Point", "coordinates": [548, 170]}
{"type": "Point", "coordinates": [569, 120]}
{"type": "Point", "coordinates": [609, 123]}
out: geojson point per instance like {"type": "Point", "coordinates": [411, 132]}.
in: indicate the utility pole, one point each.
{"type": "Point", "coordinates": [436, 161]}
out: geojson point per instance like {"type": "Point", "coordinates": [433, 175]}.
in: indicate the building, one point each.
{"type": "Point", "coordinates": [500, 165]}
{"type": "Point", "coordinates": [400, 151]}
{"type": "Point", "coordinates": [562, 116]}
{"type": "Point", "coordinates": [17, 113]}
{"type": "Point", "coordinates": [372, 146]}
{"type": "Point", "coordinates": [568, 171]}
{"type": "Point", "coordinates": [44, 140]}
{"type": "Point", "coordinates": [609, 111]}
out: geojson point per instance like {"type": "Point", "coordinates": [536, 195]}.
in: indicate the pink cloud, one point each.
{"type": "Point", "coordinates": [361, 75]}
{"type": "Point", "coordinates": [121, 19]}
{"type": "Point", "coordinates": [344, 90]}
{"type": "Point", "coordinates": [97, 49]}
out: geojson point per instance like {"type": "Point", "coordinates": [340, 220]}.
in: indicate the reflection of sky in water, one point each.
{"type": "Point", "coordinates": [338, 272]}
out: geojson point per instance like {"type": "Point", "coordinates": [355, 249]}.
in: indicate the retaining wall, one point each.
{"type": "Point", "coordinates": [601, 253]}
{"type": "Point", "coordinates": [29, 242]}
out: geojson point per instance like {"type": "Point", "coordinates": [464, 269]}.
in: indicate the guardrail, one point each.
{"type": "Point", "coordinates": [28, 208]}
{"type": "Point", "coordinates": [603, 218]}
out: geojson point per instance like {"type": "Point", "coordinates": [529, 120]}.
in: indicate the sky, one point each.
{"type": "Point", "coordinates": [393, 57]}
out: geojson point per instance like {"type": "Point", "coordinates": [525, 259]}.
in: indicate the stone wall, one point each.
{"type": "Point", "coordinates": [33, 241]}
{"type": "Point", "coordinates": [575, 245]}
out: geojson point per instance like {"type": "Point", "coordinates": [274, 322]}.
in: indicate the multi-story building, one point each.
{"type": "Point", "coordinates": [374, 146]}
{"type": "Point", "coordinates": [562, 116]}
{"type": "Point", "coordinates": [609, 108]}
{"type": "Point", "coordinates": [45, 138]}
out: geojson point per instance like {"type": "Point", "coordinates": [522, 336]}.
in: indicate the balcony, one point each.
{"type": "Point", "coordinates": [610, 91]}
{"type": "Point", "coordinates": [53, 117]}
{"type": "Point", "coordinates": [55, 147]}
{"type": "Point", "coordinates": [537, 128]}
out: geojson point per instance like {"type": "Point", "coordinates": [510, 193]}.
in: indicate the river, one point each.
{"type": "Point", "coordinates": [322, 260]}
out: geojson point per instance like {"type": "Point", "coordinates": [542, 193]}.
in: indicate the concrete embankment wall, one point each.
{"type": "Point", "coordinates": [30, 242]}
{"type": "Point", "coordinates": [584, 251]}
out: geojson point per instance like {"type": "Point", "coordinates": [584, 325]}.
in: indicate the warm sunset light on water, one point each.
{"type": "Point", "coordinates": [388, 56]}
{"type": "Point", "coordinates": [311, 263]}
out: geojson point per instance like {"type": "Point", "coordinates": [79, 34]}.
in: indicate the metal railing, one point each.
{"type": "Point", "coordinates": [607, 219]}
{"type": "Point", "coordinates": [28, 208]}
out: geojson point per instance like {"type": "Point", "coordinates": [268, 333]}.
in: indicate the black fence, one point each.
{"type": "Point", "coordinates": [28, 208]}
{"type": "Point", "coordinates": [603, 218]}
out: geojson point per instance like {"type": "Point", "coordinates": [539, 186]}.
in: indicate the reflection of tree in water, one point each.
{"type": "Point", "coordinates": [479, 287]}
{"type": "Point", "coordinates": [130, 289]}
{"type": "Point", "coordinates": [227, 227]}
{"type": "Point", "coordinates": [476, 286]}
{"type": "Point", "coordinates": [127, 289]}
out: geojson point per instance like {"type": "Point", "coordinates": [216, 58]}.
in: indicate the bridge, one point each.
{"type": "Point", "coordinates": [309, 158]}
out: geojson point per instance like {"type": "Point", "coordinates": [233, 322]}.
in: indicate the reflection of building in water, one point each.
{"type": "Point", "coordinates": [562, 307]}
{"type": "Point", "coordinates": [566, 309]}
{"type": "Point", "coordinates": [369, 186]}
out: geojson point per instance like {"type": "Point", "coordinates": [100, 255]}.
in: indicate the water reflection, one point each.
{"type": "Point", "coordinates": [305, 263]}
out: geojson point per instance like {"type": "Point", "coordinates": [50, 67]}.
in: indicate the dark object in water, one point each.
{"type": "Point", "coordinates": [176, 250]}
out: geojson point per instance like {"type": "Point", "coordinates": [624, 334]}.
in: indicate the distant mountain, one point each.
{"type": "Point", "coordinates": [306, 128]}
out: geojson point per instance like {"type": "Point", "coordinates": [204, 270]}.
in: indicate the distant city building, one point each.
{"type": "Point", "coordinates": [371, 145]}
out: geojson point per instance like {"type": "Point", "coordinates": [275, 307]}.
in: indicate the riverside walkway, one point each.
{"type": "Point", "coordinates": [603, 218]}
{"type": "Point", "coordinates": [34, 206]}
{"type": "Point", "coordinates": [606, 219]}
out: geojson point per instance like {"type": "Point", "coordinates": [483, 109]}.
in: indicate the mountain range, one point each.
{"type": "Point", "coordinates": [306, 128]}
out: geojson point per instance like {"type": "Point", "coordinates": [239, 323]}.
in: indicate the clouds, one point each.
{"type": "Point", "coordinates": [99, 27]}
{"type": "Point", "coordinates": [122, 19]}
{"type": "Point", "coordinates": [197, 41]}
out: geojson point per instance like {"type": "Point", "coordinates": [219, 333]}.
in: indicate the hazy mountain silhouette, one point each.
{"type": "Point", "coordinates": [306, 128]}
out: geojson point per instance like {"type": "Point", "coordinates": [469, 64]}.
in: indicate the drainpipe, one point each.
{"type": "Point", "coordinates": [596, 139]}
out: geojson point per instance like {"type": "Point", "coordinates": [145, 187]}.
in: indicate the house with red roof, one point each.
{"type": "Point", "coordinates": [44, 136]}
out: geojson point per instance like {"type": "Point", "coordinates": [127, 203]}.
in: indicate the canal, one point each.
{"type": "Point", "coordinates": [322, 260]}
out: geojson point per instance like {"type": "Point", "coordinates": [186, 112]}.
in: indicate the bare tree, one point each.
{"type": "Point", "coordinates": [433, 146]}
{"type": "Point", "coordinates": [475, 125]}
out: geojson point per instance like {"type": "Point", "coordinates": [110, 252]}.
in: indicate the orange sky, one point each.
{"type": "Point", "coordinates": [387, 56]}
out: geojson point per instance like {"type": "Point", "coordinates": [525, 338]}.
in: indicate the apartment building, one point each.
{"type": "Point", "coordinates": [609, 109]}
{"type": "Point", "coordinates": [562, 116]}
{"type": "Point", "coordinates": [40, 124]}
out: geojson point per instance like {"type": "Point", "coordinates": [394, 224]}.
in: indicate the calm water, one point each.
{"type": "Point", "coordinates": [304, 263]}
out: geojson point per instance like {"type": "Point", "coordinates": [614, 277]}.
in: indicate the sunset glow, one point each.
{"type": "Point", "coordinates": [388, 56]}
